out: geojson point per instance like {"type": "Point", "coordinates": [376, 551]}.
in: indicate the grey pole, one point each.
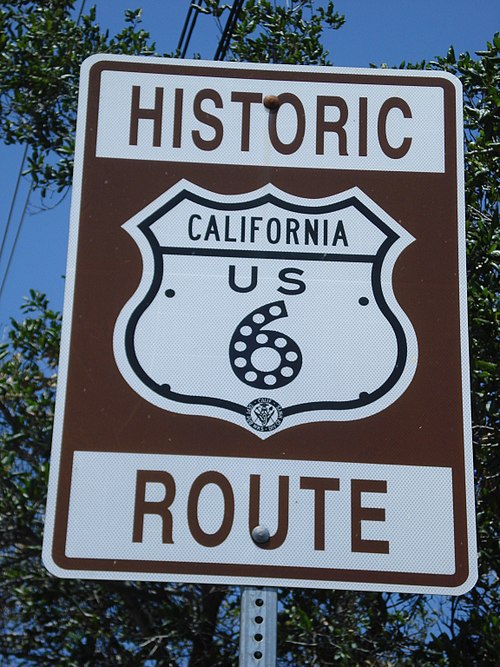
{"type": "Point", "coordinates": [258, 628]}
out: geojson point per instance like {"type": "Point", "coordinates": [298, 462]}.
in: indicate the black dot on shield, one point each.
{"type": "Point", "coordinates": [363, 301]}
{"type": "Point", "coordinates": [363, 395]}
{"type": "Point", "coordinates": [169, 293]}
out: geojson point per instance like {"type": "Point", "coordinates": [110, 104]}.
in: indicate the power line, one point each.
{"type": "Point", "coordinates": [13, 202]}
{"type": "Point", "coordinates": [13, 249]}
{"type": "Point", "coordinates": [225, 39]}
{"type": "Point", "coordinates": [80, 12]}
{"type": "Point", "coordinates": [187, 30]}
{"type": "Point", "coordinates": [195, 8]}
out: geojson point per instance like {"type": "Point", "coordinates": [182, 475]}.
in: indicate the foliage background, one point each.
{"type": "Point", "coordinates": [68, 622]}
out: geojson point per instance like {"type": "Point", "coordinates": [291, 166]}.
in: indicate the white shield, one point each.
{"type": "Point", "coordinates": [266, 309]}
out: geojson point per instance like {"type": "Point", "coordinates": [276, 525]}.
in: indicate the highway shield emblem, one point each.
{"type": "Point", "coordinates": [266, 309]}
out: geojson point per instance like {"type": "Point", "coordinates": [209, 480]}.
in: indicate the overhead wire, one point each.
{"type": "Point", "coordinates": [195, 8]}
{"type": "Point", "coordinates": [14, 243]}
{"type": "Point", "coordinates": [13, 203]}
{"type": "Point", "coordinates": [227, 33]}
{"type": "Point", "coordinates": [187, 30]}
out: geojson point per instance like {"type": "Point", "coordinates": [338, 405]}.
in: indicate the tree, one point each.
{"type": "Point", "coordinates": [38, 94]}
{"type": "Point", "coordinates": [272, 33]}
{"type": "Point", "coordinates": [474, 618]}
{"type": "Point", "coordinates": [69, 622]}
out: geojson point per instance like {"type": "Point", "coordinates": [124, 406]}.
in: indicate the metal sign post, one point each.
{"type": "Point", "coordinates": [258, 628]}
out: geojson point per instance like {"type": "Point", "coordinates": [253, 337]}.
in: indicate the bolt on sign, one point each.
{"type": "Point", "coordinates": [264, 361]}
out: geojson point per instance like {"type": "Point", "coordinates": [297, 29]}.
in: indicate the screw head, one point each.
{"type": "Point", "coordinates": [260, 535]}
{"type": "Point", "coordinates": [272, 102]}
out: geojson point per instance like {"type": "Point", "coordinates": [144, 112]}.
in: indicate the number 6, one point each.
{"type": "Point", "coordinates": [250, 337]}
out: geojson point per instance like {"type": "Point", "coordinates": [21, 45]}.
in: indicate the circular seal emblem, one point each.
{"type": "Point", "coordinates": [264, 414]}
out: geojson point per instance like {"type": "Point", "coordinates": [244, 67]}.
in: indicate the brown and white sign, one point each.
{"type": "Point", "coordinates": [265, 325]}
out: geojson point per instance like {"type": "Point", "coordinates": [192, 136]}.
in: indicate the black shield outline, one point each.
{"type": "Point", "coordinates": [165, 391]}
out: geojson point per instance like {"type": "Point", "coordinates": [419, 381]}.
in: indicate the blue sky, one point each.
{"type": "Point", "coordinates": [387, 31]}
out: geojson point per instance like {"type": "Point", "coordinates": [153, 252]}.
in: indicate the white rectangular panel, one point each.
{"type": "Point", "coordinates": [345, 126]}
{"type": "Point", "coordinates": [418, 525]}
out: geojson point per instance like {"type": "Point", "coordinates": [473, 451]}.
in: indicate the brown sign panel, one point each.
{"type": "Point", "coordinates": [265, 326]}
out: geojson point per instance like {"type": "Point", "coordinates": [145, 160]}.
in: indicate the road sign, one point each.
{"type": "Point", "coordinates": [265, 327]}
